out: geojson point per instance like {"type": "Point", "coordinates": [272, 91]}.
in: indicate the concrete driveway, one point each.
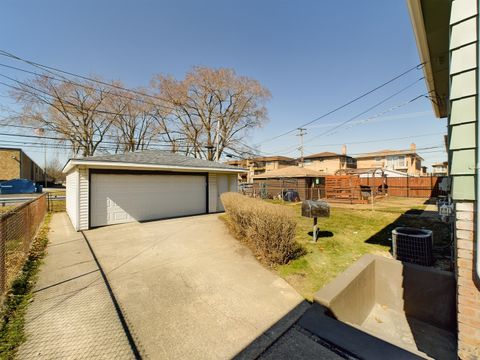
{"type": "Point", "coordinates": [189, 290]}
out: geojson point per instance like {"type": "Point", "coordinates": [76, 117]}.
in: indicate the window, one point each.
{"type": "Point", "coordinates": [378, 159]}
{"type": "Point", "coordinates": [395, 162]}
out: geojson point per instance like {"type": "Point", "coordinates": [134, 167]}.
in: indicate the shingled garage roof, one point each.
{"type": "Point", "coordinates": [155, 159]}
{"type": "Point", "coordinates": [289, 172]}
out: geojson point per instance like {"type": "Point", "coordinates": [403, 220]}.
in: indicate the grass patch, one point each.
{"type": "Point", "coordinates": [17, 299]}
{"type": "Point", "coordinates": [6, 208]}
{"type": "Point", "coordinates": [54, 204]}
{"type": "Point", "coordinates": [347, 235]}
{"type": "Point", "coordinates": [57, 206]}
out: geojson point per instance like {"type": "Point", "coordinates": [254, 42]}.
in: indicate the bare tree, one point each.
{"type": "Point", "coordinates": [213, 108]}
{"type": "Point", "coordinates": [77, 112]}
{"type": "Point", "coordinates": [139, 122]}
{"type": "Point", "coordinates": [54, 170]}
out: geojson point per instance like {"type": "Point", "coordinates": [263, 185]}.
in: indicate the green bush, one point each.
{"type": "Point", "coordinates": [268, 229]}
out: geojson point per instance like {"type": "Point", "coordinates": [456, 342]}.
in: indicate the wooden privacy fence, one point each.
{"type": "Point", "coordinates": [421, 187]}
{"type": "Point", "coordinates": [350, 188]}
{"type": "Point", "coordinates": [343, 188]}
{"type": "Point", "coordinates": [306, 188]}
{"type": "Point", "coordinates": [18, 228]}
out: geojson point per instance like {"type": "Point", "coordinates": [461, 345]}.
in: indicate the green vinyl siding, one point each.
{"type": "Point", "coordinates": [463, 84]}
{"type": "Point", "coordinates": [463, 187]}
{"type": "Point", "coordinates": [462, 136]}
{"type": "Point", "coordinates": [463, 110]}
{"type": "Point", "coordinates": [462, 9]}
{"type": "Point", "coordinates": [463, 162]}
{"type": "Point", "coordinates": [464, 58]}
{"type": "Point", "coordinates": [463, 33]}
{"type": "Point", "coordinates": [463, 99]}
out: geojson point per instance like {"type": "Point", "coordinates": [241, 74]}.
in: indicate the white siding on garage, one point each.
{"type": "Point", "coordinates": [212, 193]}
{"type": "Point", "coordinates": [217, 185]}
{"type": "Point", "coordinates": [233, 183]}
{"type": "Point", "coordinates": [222, 187]}
{"type": "Point", "coordinates": [120, 198]}
{"type": "Point", "coordinates": [83, 205]}
{"type": "Point", "coordinates": [72, 190]}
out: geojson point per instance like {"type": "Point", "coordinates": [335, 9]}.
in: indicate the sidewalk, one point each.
{"type": "Point", "coordinates": [72, 315]}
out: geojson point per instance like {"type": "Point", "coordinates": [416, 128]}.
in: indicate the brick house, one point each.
{"type": "Point", "coordinates": [15, 164]}
{"type": "Point", "coordinates": [328, 163]}
{"type": "Point", "coordinates": [446, 33]}
{"type": "Point", "coordinates": [407, 161]}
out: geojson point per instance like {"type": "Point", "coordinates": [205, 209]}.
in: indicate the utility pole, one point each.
{"type": "Point", "coordinates": [217, 142]}
{"type": "Point", "coordinates": [41, 132]}
{"type": "Point", "coordinates": [301, 133]}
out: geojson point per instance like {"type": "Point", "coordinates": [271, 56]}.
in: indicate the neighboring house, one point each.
{"type": "Point", "coordinates": [261, 165]}
{"type": "Point", "coordinates": [447, 38]}
{"type": "Point", "coordinates": [440, 169]}
{"type": "Point", "coordinates": [15, 164]}
{"type": "Point", "coordinates": [307, 182]}
{"type": "Point", "coordinates": [328, 162]}
{"type": "Point", "coordinates": [113, 189]}
{"type": "Point", "coordinates": [407, 161]}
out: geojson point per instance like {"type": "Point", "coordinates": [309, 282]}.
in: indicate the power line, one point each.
{"type": "Point", "coordinates": [47, 68]}
{"type": "Point", "coordinates": [68, 81]}
{"type": "Point", "coordinates": [370, 141]}
{"type": "Point", "coordinates": [380, 140]}
{"type": "Point", "coordinates": [153, 141]}
{"type": "Point", "coordinates": [416, 67]}
{"type": "Point", "coordinates": [103, 142]}
{"type": "Point", "coordinates": [289, 150]}
{"type": "Point", "coordinates": [49, 95]}
{"type": "Point", "coordinates": [373, 107]}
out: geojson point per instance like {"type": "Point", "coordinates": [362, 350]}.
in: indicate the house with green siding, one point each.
{"type": "Point", "coordinates": [446, 33]}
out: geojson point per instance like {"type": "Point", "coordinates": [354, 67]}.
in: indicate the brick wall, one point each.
{"type": "Point", "coordinates": [30, 170]}
{"type": "Point", "coordinates": [9, 164]}
{"type": "Point", "coordinates": [468, 290]}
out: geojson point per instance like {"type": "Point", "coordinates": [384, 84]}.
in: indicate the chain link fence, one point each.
{"type": "Point", "coordinates": [18, 228]}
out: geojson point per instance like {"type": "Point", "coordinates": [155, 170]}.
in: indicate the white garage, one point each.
{"type": "Point", "coordinates": [143, 186]}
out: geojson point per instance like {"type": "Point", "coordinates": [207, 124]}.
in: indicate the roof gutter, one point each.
{"type": "Point", "coordinates": [119, 165]}
{"type": "Point", "coordinates": [416, 16]}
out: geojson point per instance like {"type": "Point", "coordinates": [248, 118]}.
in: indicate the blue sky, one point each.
{"type": "Point", "coordinates": [312, 55]}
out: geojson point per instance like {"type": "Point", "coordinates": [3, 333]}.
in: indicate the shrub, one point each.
{"type": "Point", "coordinates": [268, 229]}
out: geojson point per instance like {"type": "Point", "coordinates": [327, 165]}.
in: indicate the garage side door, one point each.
{"type": "Point", "coordinates": [120, 198]}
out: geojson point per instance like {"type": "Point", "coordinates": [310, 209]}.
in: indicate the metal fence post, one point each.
{"type": "Point", "coordinates": [408, 187]}
{"type": "Point", "coordinates": [3, 256]}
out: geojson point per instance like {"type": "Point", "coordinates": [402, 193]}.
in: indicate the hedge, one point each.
{"type": "Point", "coordinates": [268, 229]}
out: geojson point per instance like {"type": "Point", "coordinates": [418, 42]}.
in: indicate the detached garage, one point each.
{"type": "Point", "coordinates": [149, 185]}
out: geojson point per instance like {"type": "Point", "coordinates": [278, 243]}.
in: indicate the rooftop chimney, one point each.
{"type": "Point", "coordinates": [344, 149]}
{"type": "Point", "coordinates": [413, 147]}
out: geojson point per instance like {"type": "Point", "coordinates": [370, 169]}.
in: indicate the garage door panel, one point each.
{"type": "Point", "coordinates": [123, 198]}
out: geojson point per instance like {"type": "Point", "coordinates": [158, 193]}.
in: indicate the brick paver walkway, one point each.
{"type": "Point", "coordinates": [72, 315]}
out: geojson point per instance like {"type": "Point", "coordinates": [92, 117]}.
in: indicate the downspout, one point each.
{"type": "Point", "coordinates": [477, 172]}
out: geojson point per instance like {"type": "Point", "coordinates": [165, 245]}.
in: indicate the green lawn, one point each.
{"type": "Point", "coordinates": [348, 234]}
